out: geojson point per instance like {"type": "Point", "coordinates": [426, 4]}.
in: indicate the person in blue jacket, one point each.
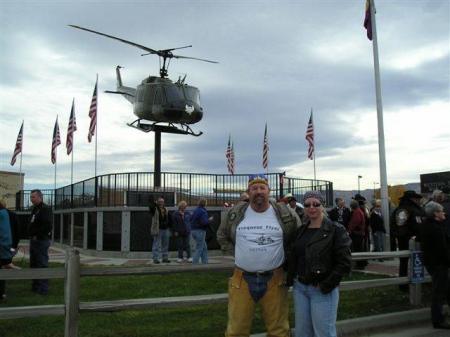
{"type": "Point", "coordinates": [199, 222]}
{"type": "Point", "coordinates": [6, 254]}
{"type": "Point", "coordinates": [181, 227]}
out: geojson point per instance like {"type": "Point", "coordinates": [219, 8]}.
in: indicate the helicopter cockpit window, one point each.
{"type": "Point", "coordinates": [173, 93]}
{"type": "Point", "coordinates": [158, 97]}
{"type": "Point", "coordinates": [192, 94]}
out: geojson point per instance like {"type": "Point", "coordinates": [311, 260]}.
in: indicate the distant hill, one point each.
{"type": "Point", "coordinates": [368, 193]}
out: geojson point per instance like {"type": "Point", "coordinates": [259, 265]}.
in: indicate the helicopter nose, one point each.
{"type": "Point", "coordinates": [183, 112]}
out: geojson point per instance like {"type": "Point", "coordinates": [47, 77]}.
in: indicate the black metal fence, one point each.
{"type": "Point", "coordinates": [136, 189]}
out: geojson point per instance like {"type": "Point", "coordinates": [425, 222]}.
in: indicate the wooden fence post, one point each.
{"type": "Point", "coordinates": [72, 292]}
{"type": "Point", "coordinates": [415, 289]}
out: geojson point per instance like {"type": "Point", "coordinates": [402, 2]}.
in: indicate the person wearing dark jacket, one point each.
{"type": "Point", "coordinates": [199, 222]}
{"type": "Point", "coordinates": [40, 226]}
{"type": "Point", "coordinates": [320, 259]}
{"type": "Point", "coordinates": [160, 230]}
{"type": "Point", "coordinates": [377, 226]}
{"type": "Point", "coordinates": [181, 227]}
{"type": "Point", "coordinates": [436, 258]}
{"type": "Point", "coordinates": [357, 231]}
{"type": "Point", "coordinates": [405, 219]}
{"type": "Point", "coordinates": [340, 213]}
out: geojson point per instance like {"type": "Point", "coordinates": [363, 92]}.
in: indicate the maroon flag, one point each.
{"type": "Point", "coordinates": [265, 149]}
{"type": "Point", "coordinates": [18, 148]}
{"type": "Point", "coordinates": [310, 137]}
{"type": "Point", "coordinates": [93, 113]}
{"type": "Point", "coordinates": [230, 156]}
{"type": "Point", "coordinates": [368, 21]}
{"type": "Point", "coordinates": [55, 141]}
{"type": "Point", "coordinates": [71, 129]}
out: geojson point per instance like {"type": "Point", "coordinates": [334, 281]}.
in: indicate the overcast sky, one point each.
{"type": "Point", "coordinates": [277, 60]}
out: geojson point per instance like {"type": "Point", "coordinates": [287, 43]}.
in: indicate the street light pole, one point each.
{"type": "Point", "coordinates": [359, 188]}
{"type": "Point", "coordinates": [374, 183]}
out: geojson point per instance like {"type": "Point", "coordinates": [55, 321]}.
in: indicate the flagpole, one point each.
{"type": "Point", "coordinates": [73, 139]}
{"type": "Point", "coordinates": [96, 131]}
{"type": "Point", "coordinates": [314, 153]}
{"type": "Point", "coordinates": [20, 170]}
{"type": "Point", "coordinates": [381, 144]}
{"type": "Point", "coordinates": [56, 163]}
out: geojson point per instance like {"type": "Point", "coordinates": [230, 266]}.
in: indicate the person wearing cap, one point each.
{"type": "Point", "coordinates": [405, 219]}
{"type": "Point", "coordinates": [363, 206]}
{"type": "Point", "coordinates": [320, 258]}
{"type": "Point", "coordinates": [292, 203]}
{"type": "Point", "coordinates": [259, 234]}
{"type": "Point", "coordinates": [436, 258]}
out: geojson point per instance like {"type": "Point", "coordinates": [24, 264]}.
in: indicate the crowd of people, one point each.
{"type": "Point", "coordinates": [276, 245]}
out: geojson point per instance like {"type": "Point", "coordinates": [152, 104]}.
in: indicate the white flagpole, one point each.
{"type": "Point", "coordinates": [381, 145]}
{"type": "Point", "coordinates": [73, 139]}
{"type": "Point", "coordinates": [314, 145]}
{"type": "Point", "coordinates": [21, 151]}
{"type": "Point", "coordinates": [96, 130]}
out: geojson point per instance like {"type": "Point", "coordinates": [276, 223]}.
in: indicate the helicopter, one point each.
{"type": "Point", "coordinates": [168, 106]}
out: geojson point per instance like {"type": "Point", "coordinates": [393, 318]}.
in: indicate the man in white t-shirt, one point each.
{"type": "Point", "coordinates": [259, 234]}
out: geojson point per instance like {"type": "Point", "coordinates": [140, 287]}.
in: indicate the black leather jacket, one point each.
{"type": "Point", "coordinates": [328, 256]}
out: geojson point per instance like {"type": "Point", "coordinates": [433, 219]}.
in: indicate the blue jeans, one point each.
{"type": "Point", "coordinates": [315, 313]}
{"type": "Point", "coordinates": [39, 259]}
{"type": "Point", "coordinates": [184, 244]}
{"type": "Point", "coordinates": [201, 249]}
{"type": "Point", "coordinates": [378, 241]}
{"type": "Point", "coordinates": [161, 239]}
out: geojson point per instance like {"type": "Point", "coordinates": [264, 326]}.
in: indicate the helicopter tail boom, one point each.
{"type": "Point", "coordinates": [127, 92]}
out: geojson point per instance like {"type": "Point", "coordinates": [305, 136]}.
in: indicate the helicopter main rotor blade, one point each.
{"type": "Point", "coordinates": [192, 58]}
{"type": "Point", "coordinates": [147, 49]}
{"type": "Point", "coordinates": [166, 53]}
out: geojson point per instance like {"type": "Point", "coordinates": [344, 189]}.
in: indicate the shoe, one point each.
{"type": "Point", "coordinates": [166, 261]}
{"type": "Point", "coordinates": [190, 259]}
{"type": "Point", "coordinates": [155, 261]}
{"type": "Point", "coordinates": [380, 260]}
{"type": "Point", "coordinates": [442, 325]}
{"type": "Point", "coordinates": [180, 260]}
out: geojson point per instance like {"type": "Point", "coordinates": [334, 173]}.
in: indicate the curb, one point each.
{"type": "Point", "coordinates": [363, 325]}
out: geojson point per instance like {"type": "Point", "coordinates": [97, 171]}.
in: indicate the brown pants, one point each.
{"type": "Point", "coordinates": [274, 304]}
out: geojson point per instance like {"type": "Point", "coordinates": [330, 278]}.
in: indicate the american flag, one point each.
{"type": "Point", "coordinates": [230, 156]}
{"type": "Point", "coordinates": [71, 129]}
{"type": "Point", "coordinates": [368, 21]}
{"type": "Point", "coordinates": [56, 141]}
{"type": "Point", "coordinates": [18, 148]}
{"type": "Point", "coordinates": [310, 136]}
{"type": "Point", "coordinates": [265, 149]}
{"type": "Point", "coordinates": [93, 113]}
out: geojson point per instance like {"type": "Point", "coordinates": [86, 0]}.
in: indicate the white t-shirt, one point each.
{"type": "Point", "coordinates": [259, 241]}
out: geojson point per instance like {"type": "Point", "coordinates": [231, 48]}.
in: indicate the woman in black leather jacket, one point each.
{"type": "Point", "coordinates": [320, 259]}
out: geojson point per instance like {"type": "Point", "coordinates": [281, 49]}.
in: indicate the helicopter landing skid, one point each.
{"type": "Point", "coordinates": [183, 129]}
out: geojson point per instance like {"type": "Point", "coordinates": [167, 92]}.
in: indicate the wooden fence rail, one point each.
{"type": "Point", "coordinates": [73, 272]}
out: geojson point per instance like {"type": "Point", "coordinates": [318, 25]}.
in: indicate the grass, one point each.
{"type": "Point", "coordinates": [199, 321]}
